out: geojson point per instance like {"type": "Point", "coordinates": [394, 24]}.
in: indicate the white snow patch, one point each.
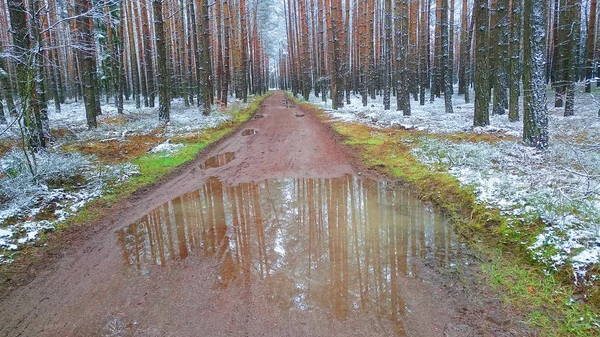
{"type": "Point", "coordinates": [166, 147]}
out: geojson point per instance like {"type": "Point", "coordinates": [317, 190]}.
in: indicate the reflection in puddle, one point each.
{"type": "Point", "coordinates": [342, 244]}
{"type": "Point", "coordinates": [248, 132]}
{"type": "Point", "coordinates": [218, 160]}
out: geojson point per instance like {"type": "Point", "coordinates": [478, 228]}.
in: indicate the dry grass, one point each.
{"type": "Point", "coordinates": [115, 151]}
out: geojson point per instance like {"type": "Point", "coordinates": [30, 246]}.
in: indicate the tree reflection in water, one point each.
{"type": "Point", "coordinates": [341, 244]}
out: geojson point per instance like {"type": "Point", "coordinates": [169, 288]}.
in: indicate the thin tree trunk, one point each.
{"type": "Point", "coordinates": [589, 49]}
{"type": "Point", "coordinates": [423, 51]}
{"type": "Point", "coordinates": [515, 58]}
{"type": "Point", "coordinates": [482, 65]}
{"type": "Point", "coordinates": [145, 13]}
{"type": "Point", "coordinates": [135, 80]}
{"type": "Point", "coordinates": [446, 58]}
{"type": "Point", "coordinates": [500, 33]}
{"type": "Point", "coordinates": [387, 56]}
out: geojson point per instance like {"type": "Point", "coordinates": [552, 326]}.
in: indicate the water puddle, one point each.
{"type": "Point", "coordinates": [218, 160]}
{"type": "Point", "coordinates": [299, 115]}
{"type": "Point", "coordinates": [249, 132]}
{"type": "Point", "coordinates": [343, 244]}
{"type": "Point", "coordinates": [258, 116]}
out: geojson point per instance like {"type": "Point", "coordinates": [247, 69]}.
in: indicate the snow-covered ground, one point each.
{"type": "Point", "coordinates": [561, 185]}
{"type": "Point", "coordinates": [27, 195]}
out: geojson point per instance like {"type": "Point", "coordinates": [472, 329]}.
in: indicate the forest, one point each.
{"type": "Point", "coordinates": [487, 110]}
{"type": "Point", "coordinates": [203, 52]}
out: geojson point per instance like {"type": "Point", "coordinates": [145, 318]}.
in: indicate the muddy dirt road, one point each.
{"type": "Point", "coordinates": [272, 232]}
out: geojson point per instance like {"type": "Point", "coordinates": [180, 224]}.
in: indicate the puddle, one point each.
{"type": "Point", "coordinates": [258, 116]}
{"type": "Point", "coordinates": [299, 115]}
{"type": "Point", "coordinates": [249, 132]}
{"type": "Point", "coordinates": [342, 245]}
{"type": "Point", "coordinates": [218, 160]}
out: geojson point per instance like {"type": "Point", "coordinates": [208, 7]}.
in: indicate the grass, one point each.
{"type": "Point", "coordinates": [544, 299]}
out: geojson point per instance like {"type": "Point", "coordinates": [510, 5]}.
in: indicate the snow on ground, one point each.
{"type": "Point", "coordinates": [25, 195]}
{"type": "Point", "coordinates": [561, 186]}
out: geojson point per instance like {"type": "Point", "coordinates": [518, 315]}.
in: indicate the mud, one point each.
{"type": "Point", "coordinates": [287, 237]}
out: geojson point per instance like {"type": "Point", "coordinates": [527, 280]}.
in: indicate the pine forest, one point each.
{"type": "Point", "coordinates": [300, 167]}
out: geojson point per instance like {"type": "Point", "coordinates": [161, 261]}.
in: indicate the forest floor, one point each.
{"type": "Point", "coordinates": [170, 260]}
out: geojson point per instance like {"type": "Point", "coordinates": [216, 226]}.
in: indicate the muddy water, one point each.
{"type": "Point", "coordinates": [218, 160]}
{"type": "Point", "coordinates": [337, 244]}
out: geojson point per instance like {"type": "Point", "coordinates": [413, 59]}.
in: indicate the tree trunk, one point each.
{"type": "Point", "coordinates": [26, 74]}
{"type": "Point", "coordinates": [535, 112]}
{"type": "Point", "coordinates": [515, 58]}
{"type": "Point", "coordinates": [243, 51]}
{"type": "Point", "coordinates": [423, 51]}
{"type": "Point", "coordinates": [573, 17]}
{"type": "Point", "coordinates": [135, 76]}
{"type": "Point", "coordinates": [401, 21]}
{"type": "Point", "coordinates": [145, 13]}
{"type": "Point", "coordinates": [464, 36]}
{"type": "Point", "coordinates": [446, 59]}
{"type": "Point", "coordinates": [500, 33]}
{"type": "Point", "coordinates": [87, 59]}
{"type": "Point", "coordinates": [589, 49]}
{"type": "Point", "coordinates": [226, 52]}
{"type": "Point", "coordinates": [482, 64]}
{"type": "Point", "coordinates": [164, 100]}
{"type": "Point", "coordinates": [387, 55]}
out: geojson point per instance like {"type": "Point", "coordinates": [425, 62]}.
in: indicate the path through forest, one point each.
{"type": "Point", "coordinates": [274, 231]}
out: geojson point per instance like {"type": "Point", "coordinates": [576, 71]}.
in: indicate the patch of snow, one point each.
{"type": "Point", "coordinates": [166, 147]}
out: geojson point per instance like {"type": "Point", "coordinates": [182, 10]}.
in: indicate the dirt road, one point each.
{"type": "Point", "coordinates": [272, 232]}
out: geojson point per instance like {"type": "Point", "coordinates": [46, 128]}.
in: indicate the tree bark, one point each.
{"type": "Point", "coordinates": [589, 49]}
{"type": "Point", "coordinates": [164, 100]}
{"type": "Point", "coordinates": [515, 58]}
{"type": "Point", "coordinates": [535, 112]}
{"type": "Point", "coordinates": [446, 58]}
{"type": "Point", "coordinates": [87, 59]}
{"type": "Point", "coordinates": [482, 64]}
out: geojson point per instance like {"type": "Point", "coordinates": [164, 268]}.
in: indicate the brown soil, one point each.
{"type": "Point", "coordinates": [85, 289]}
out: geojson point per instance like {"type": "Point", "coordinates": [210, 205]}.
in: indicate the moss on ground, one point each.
{"type": "Point", "coordinates": [551, 303]}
